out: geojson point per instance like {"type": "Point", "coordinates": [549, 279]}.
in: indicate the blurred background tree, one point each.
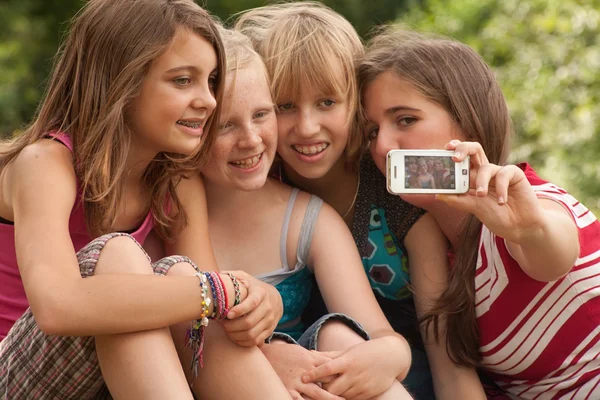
{"type": "Point", "coordinates": [546, 54]}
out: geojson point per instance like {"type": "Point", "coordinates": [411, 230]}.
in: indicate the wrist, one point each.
{"type": "Point", "coordinates": [399, 345]}
{"type": "Point", "coordinates": [235, 288]}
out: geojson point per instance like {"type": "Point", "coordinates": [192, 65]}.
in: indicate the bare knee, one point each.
{"type": "Point", "coordinates": [123, 255]}
{"type": "Point", "coordinates": [181, 269]}
{"type": "Point", "coordinates": [336, 335]}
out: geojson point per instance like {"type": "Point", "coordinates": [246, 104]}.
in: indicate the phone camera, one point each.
{"type": "Point", "coordinates": [464, 171]}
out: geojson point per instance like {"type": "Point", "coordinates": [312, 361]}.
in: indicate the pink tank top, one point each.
{"type": "Point", "coordinates": [13, 301]}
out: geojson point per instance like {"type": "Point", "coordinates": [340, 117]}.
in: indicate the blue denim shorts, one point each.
{"type": "Point", "coordinates": [309, 338]}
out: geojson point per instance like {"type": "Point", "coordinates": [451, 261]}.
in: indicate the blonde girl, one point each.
{"type": "Point", "coordinates": [285, 237]}
{"type": "Point", "coordinates": [125, 122]}
{"type": "Point", "coordinates": [311, 54]}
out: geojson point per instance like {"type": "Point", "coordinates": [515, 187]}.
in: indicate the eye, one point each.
{"type": "Point", "coordinates": [212, 82]}
{"type": "Point", "coordinates": [285, 107]}
{"type": "Point", "coordinates": [327, 103]}
{"type": "Point", "coordinates": [260, 114]}
{"type": "Point", "coordinates": [372, 133]}
{"type": "Point", "coordinates": [225, 125]}
{"type": "Point", "coordinates": [406, 120]}
{"type": "Point", "coordinates": [182, 81]}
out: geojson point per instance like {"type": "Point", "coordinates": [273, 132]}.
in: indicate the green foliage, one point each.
{"type": "Point", "coordinates": [546, 56]}
{"type": "Point", "coordinates": [362, 14]}
{"type": "Point", "coordinates": [30, 34]}
{"type": "Point", "coordinates": [31, 30]}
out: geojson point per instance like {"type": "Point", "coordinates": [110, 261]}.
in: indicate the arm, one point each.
{"type": "Point", "coordinates": [333, 254]}
{"type": "Point", "coordinates": [540, 233]}
{"type": "Point", "coordinates": [43, 191]}
{"type": "Point", "coordinates": [252, 321]}
{"type": "Point", "coordinates": [549, 250]}
{"type": "Point", "coordinates": [427, 249]}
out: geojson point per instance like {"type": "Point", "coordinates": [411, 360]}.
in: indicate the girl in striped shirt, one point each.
{"type": "Point", "coordinates": [521, 298]}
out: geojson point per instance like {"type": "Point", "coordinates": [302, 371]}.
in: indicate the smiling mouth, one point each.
{"type": "Point", "coordinates": [193, 125]}
{"type": "Point", "coordinates": [247, 163]}
{"type": "Point", "coordinates": [310, 150]}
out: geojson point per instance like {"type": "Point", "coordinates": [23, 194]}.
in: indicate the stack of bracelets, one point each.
{"type": "Point", "coordinates": [195, 333]}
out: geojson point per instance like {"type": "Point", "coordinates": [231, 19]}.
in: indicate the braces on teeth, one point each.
{"type": "Point", "coordinates": [194, 125]}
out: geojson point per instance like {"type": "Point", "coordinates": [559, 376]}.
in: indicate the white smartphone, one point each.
{"type": "Point", "coordinates": [426, 172]}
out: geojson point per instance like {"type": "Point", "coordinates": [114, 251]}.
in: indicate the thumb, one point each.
{"type": "Point", "coordinates": [463, 202]}
{"type": "Point", "coordinates": [331, 354]}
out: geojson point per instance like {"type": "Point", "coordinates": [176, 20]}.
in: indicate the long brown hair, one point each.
{"type": "Point", "coordinates": [455, 77]}
{"type": "Point", "coordinates": [299, 43]}
{"type": "Point", "coordinates": [97, 72]}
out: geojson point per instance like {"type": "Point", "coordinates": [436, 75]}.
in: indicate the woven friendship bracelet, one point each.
{"type": "Point", "coordinates": [225, 291]}
{"type": "Point", "coordinates": [236, 288]}
{"type": "Point", "coordinates": [223, 310]}
{"type": "Point", "coordinates": [216, 295]}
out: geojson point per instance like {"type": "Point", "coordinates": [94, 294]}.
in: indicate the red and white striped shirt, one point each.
{"type": "Point", "coordinates": [541, 340]}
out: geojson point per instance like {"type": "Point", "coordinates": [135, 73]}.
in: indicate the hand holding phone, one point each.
{"type": "Point", "coordinates": [426, 172]}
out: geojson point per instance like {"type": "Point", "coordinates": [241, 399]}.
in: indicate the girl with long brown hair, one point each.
{"type": "Point", "coordinates": [521, 300]}
{"type": "Point", "coordinates": [112, 153]}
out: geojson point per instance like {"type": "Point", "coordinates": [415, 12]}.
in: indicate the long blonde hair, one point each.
{"type": "Point", "coordinates": [97, 72]}
{"type": "Point", "coordinates": [299, 43]}
{"type": "Point", "coordinates": [454, 76]}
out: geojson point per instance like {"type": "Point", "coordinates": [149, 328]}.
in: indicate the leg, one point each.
{"type": "Point", "coordinates": [337, 335]}
{"type": "Point", "coordinates": [140, 365]}
{"type": "Point", "coordinates": [230, 371]}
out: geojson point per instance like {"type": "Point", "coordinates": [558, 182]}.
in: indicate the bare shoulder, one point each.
{"type": "Point", "coordinates": [44, 155]}
{"type": "Point", "coordinates": [40, 167]}
{"type": "Point", "coordinates": [190, 185]}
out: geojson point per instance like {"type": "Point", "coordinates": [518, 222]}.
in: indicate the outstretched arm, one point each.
{"type": "Point", "coordinates": [540, 233]}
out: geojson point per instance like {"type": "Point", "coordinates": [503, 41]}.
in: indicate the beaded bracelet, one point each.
{"type": "Point", "coordinates": [194, 337]}
{"type": "Point", "coordinates": [236, 288]}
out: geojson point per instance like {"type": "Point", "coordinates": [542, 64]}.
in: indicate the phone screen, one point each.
{"type": "Point", "coordinates": [426, 171]}
{"type": "Point", "coordinates": [429, 172]}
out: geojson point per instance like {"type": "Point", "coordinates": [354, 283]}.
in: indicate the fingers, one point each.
{"type": "Point", "coordinates": [471, 149]}
{"type": "Point", "coordinates": [506, 177]}
{"type": "Point", "coordinates": [483, 176]}
{"type": "Point", "coordinates": [254, 336]}
{"type": "Point", "coordinates": [340, 386]}
{"type": "Point", "coordinates": [329, 368]}
{"type": "Point", "coordinates": [256, 295]}
{"type": "Point", "coordinates": [315, 392]}
{"type": "Point", "coordinates": [329, 354]}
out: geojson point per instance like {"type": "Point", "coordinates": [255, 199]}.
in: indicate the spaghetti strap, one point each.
{"type": "Point", "coordinates": [284, 229]}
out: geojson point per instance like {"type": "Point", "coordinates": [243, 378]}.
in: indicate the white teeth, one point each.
{"type": "Point", "coordinates": [194, 125]}
{"type": "Point", "coordinates": [310, 150]}
{"type": "Point", "coordinates": [247, 162]}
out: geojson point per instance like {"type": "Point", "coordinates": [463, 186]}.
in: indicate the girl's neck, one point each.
{"type": "Point", "coordinates": [450, 222]}
{"type": "Point", "coordinates": [337, 187]}
{"type": "Point", "coordinates": [135, 166]}
{"type": "Point", "coordinates": [224, 200]}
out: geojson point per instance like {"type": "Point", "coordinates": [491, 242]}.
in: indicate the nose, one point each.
{"type": "Point", "coordinates": [384, 143]}
{"type": "Point", "coordinates": [308, 123]}
{"type": "Point", "coordinates": [250, 138]}
{"type": "Point", "coordinates": [204, 99]}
